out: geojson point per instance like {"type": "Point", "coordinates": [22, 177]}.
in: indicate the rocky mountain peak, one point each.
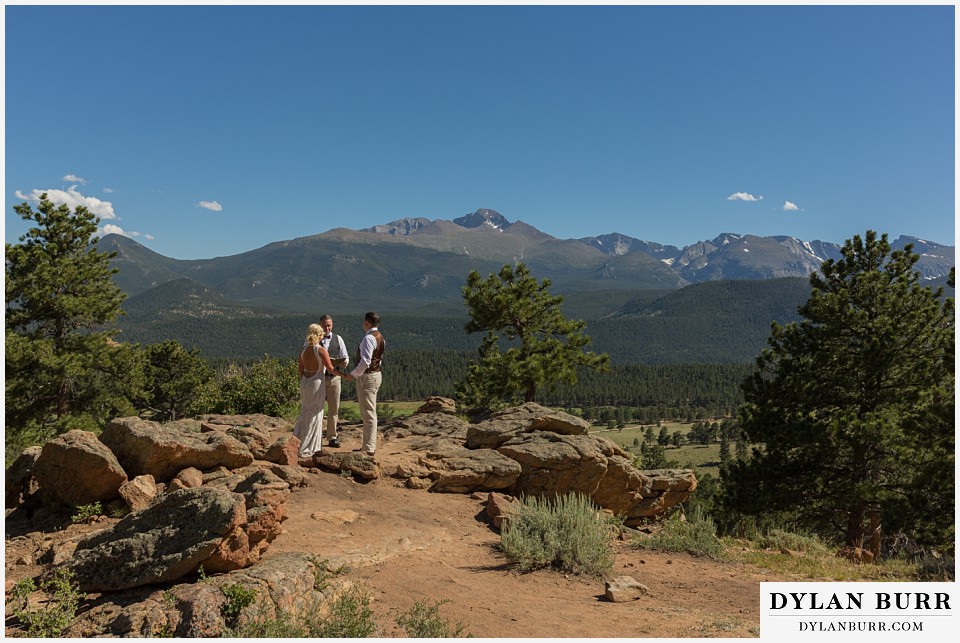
{"type": "Point", "coordinates": [401, 227]}
{"type": "Point", "coordinates": [482, 217]}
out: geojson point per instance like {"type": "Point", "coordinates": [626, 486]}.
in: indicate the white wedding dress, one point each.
{"type": "Point", "coordinates": [309, 427]}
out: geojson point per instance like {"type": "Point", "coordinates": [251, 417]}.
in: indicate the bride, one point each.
{"type": "Point", "coordinates": [314, 362]}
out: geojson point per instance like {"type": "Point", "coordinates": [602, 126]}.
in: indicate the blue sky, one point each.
{"type": "Point", "coordinates": [209, 131]}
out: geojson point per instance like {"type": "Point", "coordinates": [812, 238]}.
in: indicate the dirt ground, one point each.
{"type": "Point", "coordinates": [405, 546]}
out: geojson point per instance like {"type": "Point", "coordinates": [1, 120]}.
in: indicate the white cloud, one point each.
{"type": "Point", "coordinates": [72, 198]}
{"type": "Point", "coordinates": [109, 190]}
{"type": "Point", "coordinates": [111, 229]}
{"type": "Point", "coordinates": [743, 196]}
{"type": "Point", "coordinates": [210, 205]}
{"type": "Point", "coordinates": [790, 207]}
{"type": "Point", "coordinates": [73, 178]}
{"type": "Point", "coordinates": [115, 229]}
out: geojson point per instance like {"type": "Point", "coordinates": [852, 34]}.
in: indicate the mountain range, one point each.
{"type": "Point", "coordinates": [416, 262]}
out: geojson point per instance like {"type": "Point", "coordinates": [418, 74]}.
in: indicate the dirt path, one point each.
{"type": "Point", "coordinates": [405, 546]}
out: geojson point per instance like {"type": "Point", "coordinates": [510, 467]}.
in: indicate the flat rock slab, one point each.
{"type": "Point", "coordinates": [359, 465]}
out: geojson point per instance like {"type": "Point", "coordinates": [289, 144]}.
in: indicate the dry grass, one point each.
{"type": "Point", "coordinates": [820, 564]}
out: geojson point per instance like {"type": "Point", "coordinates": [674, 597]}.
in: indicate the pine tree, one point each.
{"type": "Point", "coordinates": [852, 408]}
{"type": "Point", "coordinates": [544, 348]}
{"type": "Point", "coordinates": [176, 379]}
{"type": "Point", "coordinates": [62, 368]}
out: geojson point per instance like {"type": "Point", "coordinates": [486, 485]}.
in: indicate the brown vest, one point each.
{"type": "Point", "coordinates": [377, 353]}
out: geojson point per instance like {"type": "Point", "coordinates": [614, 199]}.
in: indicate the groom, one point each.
{"type": "Point", "coordinates": [368, 378]}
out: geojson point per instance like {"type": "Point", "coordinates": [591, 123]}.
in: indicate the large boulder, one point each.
{"type": "Point", "coordinates": [77, 469]}
{"type": "Point", "coordinates": [437, 404]}
{"type": "Point", "coordinates": [165, 542]}
{"type": "Point", "coordinates": [283, 451]}
{"type": "Point", "coordinates": [502, 426]}
{"type": "Point", "coordinates": [19, 480]}
{"type": "Point", "coordinates": [145, 447]}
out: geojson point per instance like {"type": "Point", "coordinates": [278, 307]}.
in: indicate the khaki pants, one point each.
{"type": "Point", "coordinates": [367, 386]}
{"type": "Point", "coordinates": [333, 405]}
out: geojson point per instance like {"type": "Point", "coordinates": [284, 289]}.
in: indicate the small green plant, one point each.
{"type": "Point", "coordinates": [201, 574]}
{"type": "Point", "coordinates": [695, 535]}
{"type": "Point", "coordinates": [322, 573]}
{"type": "Point", "coordinates": [119, 511]}
{"type": "Point", "coordinates": [568, 533]}
{"type": "Point", "coordinates": [86, 513]}
{"type": "Point", "coordinates": [346, 473]}
{"type": "Point", "coordinates": [238, 599]}
{"type": "Point", "coordinates": [59, 611]}
{"type": "Point", "coordinates": [423, 621]}
{"type": "Point", "coordinates": [350, 617]}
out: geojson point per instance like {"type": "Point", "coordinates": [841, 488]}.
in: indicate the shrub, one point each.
{"type": "Point", "coordinates": [53, 618]}
{"type": "Point", "coordinates": [238, 599]}
{"type": "Point", "coordinates": [696, 535]}
{"type": "Point", "coordinates": [568, 533]}
{"type": "Point", "coordinates": [269, 386]}
{"type": "Point", "coordinates": [350, 414]}
{"type": "Point", "coordinates": [86, 513]}
{"type": "Point", "coordinates": [424, 621]}
{"type": "Point", "coordinates": [350, 617]}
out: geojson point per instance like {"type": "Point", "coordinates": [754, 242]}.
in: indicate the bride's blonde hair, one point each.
{"type": "Point", "coordinates": [314, 333]}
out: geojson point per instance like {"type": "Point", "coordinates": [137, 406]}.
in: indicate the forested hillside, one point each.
{"type": "Point", "coordinates": [716, 323]}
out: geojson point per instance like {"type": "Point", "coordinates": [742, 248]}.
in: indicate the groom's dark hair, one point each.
{"type": "Point", "coordinates": [372, 318]}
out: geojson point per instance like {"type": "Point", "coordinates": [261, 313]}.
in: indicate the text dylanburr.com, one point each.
{"type": "Point", "coordinates": [855, 611]}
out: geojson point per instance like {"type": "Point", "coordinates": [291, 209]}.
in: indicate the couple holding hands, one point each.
{"type": "Point", "coordinates": [323, 353]}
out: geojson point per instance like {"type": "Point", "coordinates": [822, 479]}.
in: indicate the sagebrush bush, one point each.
{"type": "Point", "coordinates": [424, 621]}
{"type": "Point", "coordinates": [697, 535]}
{"type": "Point", "coordinates": [568, 533]}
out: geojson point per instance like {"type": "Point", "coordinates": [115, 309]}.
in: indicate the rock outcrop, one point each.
{"type": "Point", "coordinates": [501, 426]}
{"type": "Point", "coordinates": [77, 469]}
{"type": "Point", "coordinates": [285, 582]}
{"type": "Point", "coordinates": [530, 451]}
{"type": "Point", "coordinates": [163, 450]}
